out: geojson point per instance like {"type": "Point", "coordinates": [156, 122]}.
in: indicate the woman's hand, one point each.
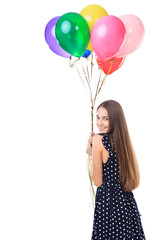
{"type": "Point", "coordinates": [89, 145]}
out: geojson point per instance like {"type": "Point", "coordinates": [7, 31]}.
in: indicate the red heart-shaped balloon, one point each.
{"type": "Point", "coordinates": [111, 65]}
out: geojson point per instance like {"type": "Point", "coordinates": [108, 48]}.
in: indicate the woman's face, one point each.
{"type": "Point", "coordinates": [102, 120]}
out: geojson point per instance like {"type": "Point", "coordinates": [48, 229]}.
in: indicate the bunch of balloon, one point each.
{"type": "Point", "coordinates": [93, 36]}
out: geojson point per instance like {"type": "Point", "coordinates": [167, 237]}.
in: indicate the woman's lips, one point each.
{"type": "Point", "coordinates": [101, 129]}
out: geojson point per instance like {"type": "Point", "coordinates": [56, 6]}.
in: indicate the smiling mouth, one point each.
{"type": "Point", "coordinates": [101, 129]}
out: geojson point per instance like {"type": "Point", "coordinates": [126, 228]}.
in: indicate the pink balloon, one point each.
{"type": "Point", "coordinates": [134, 34]}
{"type": "Point", "coordinates": [107, 36]}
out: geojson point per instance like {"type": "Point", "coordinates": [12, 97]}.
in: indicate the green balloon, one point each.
{"type": "Point", "coordinates": [72, 33]}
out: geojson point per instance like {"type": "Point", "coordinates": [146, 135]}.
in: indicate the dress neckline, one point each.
{"type": "Point", "coordinates": [104, 133]}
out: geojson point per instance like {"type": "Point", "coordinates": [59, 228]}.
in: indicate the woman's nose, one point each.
{"type": "Point", "coordinates": [101, 122]}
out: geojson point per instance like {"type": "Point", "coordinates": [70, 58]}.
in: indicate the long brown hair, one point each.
{"type": "Point", "coordinates": [129, 170]}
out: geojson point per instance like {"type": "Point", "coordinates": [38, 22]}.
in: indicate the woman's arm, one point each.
{"type": "Point", "coordinates": [97, 174]}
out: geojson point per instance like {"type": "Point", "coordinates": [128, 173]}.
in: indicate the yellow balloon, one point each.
{"type": "Point", "coordinates": [92, 13]}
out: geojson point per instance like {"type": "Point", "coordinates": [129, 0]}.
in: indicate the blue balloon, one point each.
{"type": "Point", "coordinates": [87, 53]}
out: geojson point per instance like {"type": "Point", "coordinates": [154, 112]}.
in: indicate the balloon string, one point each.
{"type": "Point", "coordinates": [90, 164]}
{"type": "Point", "coordinates": [105, 77]}
{"type": "Point", "coordinates": [90, 177]}
{"type": "Point", "coordinates": [91, 69]}
{"type": "Point", "coordinates": [88, 74]}
{"type": "Point", "coordinates": [97, 87]}
{"type": "Point", "coordinates": [110, 69]}
{"type": "Point", "coordinates": [92, 64]}
{"type": "Point", "coordinates": [71, 64]}
{"type": "Point", "coordinates": [87, 78]}
{"type": "Point", "coordinates": [107, 73]}
{"type": "Point", "coordinates": [82, 80]}
{"type": "Point", "coordinates": [102, 83]}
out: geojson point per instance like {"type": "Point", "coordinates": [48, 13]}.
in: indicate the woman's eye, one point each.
{"type": "Point", "coordinates": [106, 119]}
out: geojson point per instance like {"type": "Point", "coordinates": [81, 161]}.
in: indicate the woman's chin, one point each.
{"type": "Point", "coordinates": [102, 131]}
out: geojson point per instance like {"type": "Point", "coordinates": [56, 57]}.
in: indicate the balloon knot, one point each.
{"type": "Point", "coordinates": [112, 61]}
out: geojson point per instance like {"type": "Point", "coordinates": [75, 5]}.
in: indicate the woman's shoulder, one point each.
{"type": "Point", "coordinates": [98, 136]}
{"type": "Point", "coordinates": [97, 139]}
{"type": "Point", "coordinates": [104, 139]}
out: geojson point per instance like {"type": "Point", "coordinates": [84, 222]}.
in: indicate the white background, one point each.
{"type": "Point", "coordinates": [45, 123]}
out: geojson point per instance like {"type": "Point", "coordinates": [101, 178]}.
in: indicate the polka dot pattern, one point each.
{"type": "Point", "coordinates": [116, 215]}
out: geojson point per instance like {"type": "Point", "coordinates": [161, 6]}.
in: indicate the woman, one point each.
{"type": "Point", "coordinates": [115, 173]}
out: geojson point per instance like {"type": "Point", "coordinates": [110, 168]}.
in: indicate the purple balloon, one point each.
{"type": "Point", "coordinates": [51, 38]}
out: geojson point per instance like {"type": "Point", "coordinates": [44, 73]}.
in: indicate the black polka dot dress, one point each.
{"type": "Point", "coordinates": [116, 215]}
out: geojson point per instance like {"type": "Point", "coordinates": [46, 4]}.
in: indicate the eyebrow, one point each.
{"type": "Point", "coordinates": [102, 116]}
